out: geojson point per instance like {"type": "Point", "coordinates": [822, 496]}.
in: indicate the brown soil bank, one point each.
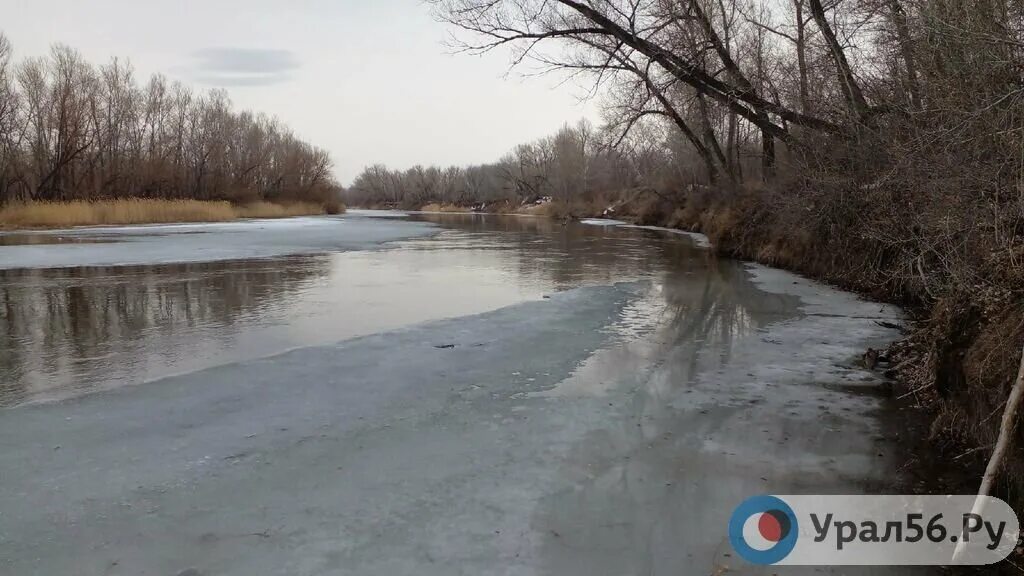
{"type": "Point", "coordinates": [149, 211]}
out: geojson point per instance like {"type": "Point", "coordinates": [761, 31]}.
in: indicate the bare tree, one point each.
{"type": "Point", "coordinates": [69, 130]}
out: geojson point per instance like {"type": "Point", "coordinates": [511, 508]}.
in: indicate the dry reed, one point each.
{"type": "Point", "coordinates": [142, 211]}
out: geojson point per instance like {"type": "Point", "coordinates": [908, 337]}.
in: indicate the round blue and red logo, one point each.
{"type": "Point", "coordinates": [763, 529]}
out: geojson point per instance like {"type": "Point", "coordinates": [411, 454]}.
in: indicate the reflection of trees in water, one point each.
{"type": "Point", "coordinates": [645, 466]}
{"type": "Point", "coordinates": [567, 255]}
{"type": "Point", "coordinates": [705, 303]}
{"type": "Point", "coordinates": [715, 303]}
{"type": "Point", "coordinates": [706, 298]}
{"type": "Point", "coordinates": [629, 469]}
{"type": "Point", "coordinates": [54, 322]}
{"type": "Point", "coordinates": [701, 307]}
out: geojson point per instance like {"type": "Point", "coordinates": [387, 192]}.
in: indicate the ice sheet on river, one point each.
{"type": "Point", "coordinates": [169, 243]}
{"type": "Point", "coordinates": [397, 454]}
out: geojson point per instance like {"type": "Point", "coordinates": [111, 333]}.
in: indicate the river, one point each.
{"type": "Point", "coordinates": [385, 393]}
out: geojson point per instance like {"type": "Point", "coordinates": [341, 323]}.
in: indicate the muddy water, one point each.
{"type": "Point", "coordinates": [71, 330]}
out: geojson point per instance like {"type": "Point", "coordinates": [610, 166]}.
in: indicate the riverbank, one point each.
{"type": "Point", "coordinates": [544, 207]}
{"type": "Point", "coordinates": [148, 211]}
{"type": "Point", "coordinates": [960, 350]}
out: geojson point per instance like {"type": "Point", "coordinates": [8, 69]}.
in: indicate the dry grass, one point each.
{"type": "Point", "coordinates": [142, 211]}
{"type": "Point", "coordinates": [80, 213]}
{"type": "Point", "coordinates": [559, 210]}
{"type": "Point", "coordinates": [436, 207]}
{"type": "Point", "coordinates": [271, 210]}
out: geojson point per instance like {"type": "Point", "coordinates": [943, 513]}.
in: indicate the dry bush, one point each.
{"type": "Point", "coordinates": [502, 207]}
{"type": "Point", "coordinates": [554, 210]}
{"type": "Point", "coordinates": [437, 207]}
{"type": "Point", "coordinates": [646, 208]}
{"type": "Point", "coordinates": [334, 206]}
{"type": "Point", "coordinates": [272, 210]}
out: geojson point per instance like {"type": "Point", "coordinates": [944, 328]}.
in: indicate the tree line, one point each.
{"type": "Point", "coordinates": [576, 164]}
{"type": "Point", "coordinates": [70, 130]}
{"type": "Point", "coordinates": [826, 94]}
{"type": "Point", "coordinates": [726, 73]}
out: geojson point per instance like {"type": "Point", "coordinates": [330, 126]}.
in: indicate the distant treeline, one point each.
{"type": "Point", "coordinates": [578, 163]}
{"type": "Point", "coordinates": [70, 130]}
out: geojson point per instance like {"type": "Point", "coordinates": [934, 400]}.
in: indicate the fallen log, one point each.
{"type": "Point", "coordinates": [1002, 444]}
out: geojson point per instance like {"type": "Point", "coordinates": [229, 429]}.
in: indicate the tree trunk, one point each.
{"type": "Point", "coordinates": [732, 146]}
{"type": "Point", "coordinates": [672, 113]}
{"type": "Point", "coordinates": [739, 101]}
{"type": "Point", "coordinates": [851, 89]}
{"type": "Point", "coordinates": [899, 19]}
{"type": "Point", "coordinates": [767, 156]}
{"type": "Point", "coordinates": [710, 140]}
{"type": "Point", "coordinates": [801, 56]}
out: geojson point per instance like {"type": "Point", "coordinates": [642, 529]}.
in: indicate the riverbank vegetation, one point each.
{"type": "Point", "coordinates": [877, 144]}
{"type": "Point", "coordinates": [142, 211]}
{"type": "Point", "coordinates": [75, 133]}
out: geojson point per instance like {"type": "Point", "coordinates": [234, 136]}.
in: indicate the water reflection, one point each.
{"type": "Point", "coordinates": [77, 329]}
{"type": "Point", "coordinates": [74, 330]}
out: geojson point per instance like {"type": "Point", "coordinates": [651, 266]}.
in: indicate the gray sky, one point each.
{"type": "Point", "coordinates": [370, 80]}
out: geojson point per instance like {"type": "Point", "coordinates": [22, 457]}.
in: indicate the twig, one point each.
{"type": "Point", "coordinates": [915, 391]}
{"type": "Point", "coordinates": [971, 451]}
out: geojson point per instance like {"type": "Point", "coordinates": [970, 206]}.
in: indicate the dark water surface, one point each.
{"type": "Point", "coordinates": [67, 331]}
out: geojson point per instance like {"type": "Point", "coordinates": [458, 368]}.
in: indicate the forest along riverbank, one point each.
{"type": "Point", "coordinates": [608, 428]}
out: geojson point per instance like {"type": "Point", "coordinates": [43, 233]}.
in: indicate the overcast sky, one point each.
{"type": "Point", "coordinates": [370, 80]}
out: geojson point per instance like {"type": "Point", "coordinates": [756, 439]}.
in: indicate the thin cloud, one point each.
{"type": "Point", "coordinates": [243, 66]}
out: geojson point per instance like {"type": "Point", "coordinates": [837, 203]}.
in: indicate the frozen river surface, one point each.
{"type": "Point", "coordinates": [415, 395]}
